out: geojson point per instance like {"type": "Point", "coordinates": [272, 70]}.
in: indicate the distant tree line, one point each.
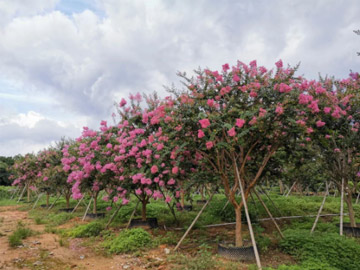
{"type": "Point", "coordinates": [5, 166]}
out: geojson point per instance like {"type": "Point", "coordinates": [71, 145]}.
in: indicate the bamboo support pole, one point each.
{"type": "Point", "coordinates": [113, 216]}
{"type": "Point", "coordinates": [320, 209]}
{"type": "Point", "coordinates": [132, 215]}
{"type": "Point", "coordinates": [22, 193]}
{"type": "Point", "coordinates": [257, 257]}
{"type": "Point", "coordinates": [87, 209]}
{"type": "Point", "coordinates": [342, 207]}
{"type": "Point", "coordinates": [193, 223]}
{"type": "Point", "coordinates": [38, 198]}
{"type": "Point", "coordinates": [269, 213]}
{"type": "Point", "coordinates": [293, 185]}
{"type": "Point", "coordinates": [77, 205]}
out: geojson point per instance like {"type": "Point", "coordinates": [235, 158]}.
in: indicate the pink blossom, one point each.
{"type": "Point", "coordinates": [122, 102]}
{"type": "Point", "coordinates": [171, 181]}
{"type": "Point", "coordinates": [327, 136]}
{"type": "Point", "coordinates": [108, 208]}
{"type": "Point", "coordinates": [154, 169]}
{"type": "Point", "coordinates": [308, 139]}
{"type": "Point", "coordinates": [336, 150]}
{"type": "Point", "coordinates": [279, 110]}
{"type": "Point", "coordinates": [253, 121]}
{"type": "Point", "coordinates": [125, 201]}
{"type": "Point", "coordinates": [327, 110]}
{"type": "Point", "coordinates": [232, 132]}
{"type": "Point", "coordinates": [279, 64]}
{"type": "Point", "coordinates": [309, 130]}
{"type": "Point", "coordinates": [209, 145]}
{"type": "Point", "coordinates": [168, 199]}
{"type": "Point", "coordinates": [225, 67]}
{"type": "Point", "coordinates": [175, 170]}
{"type": "Point", "coordinates": [253, 94]}
{"type": "Point", "coordinates": [320, 123]}
{"type": "Point", "coordinates": [46, 178]}
{"type": "Point", "coordinates": [210, 102]}
{"type": "Point", "coordinates": [240, 122]}
{"type": "Point", "coordinates": [200, 134]}
{"type": "Point", "coordinates": [236, 78]}
{"type": "Point", "coordinates": [204, 123]}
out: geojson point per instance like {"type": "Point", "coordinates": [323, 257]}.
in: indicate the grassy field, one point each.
{"type": "Point", "coordinates": [325, 249]}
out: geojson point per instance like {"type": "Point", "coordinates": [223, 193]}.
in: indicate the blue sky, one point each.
{"type": "Point", "coordinates": [63, 64]}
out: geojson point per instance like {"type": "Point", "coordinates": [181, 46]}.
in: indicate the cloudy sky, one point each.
{"type": "Point", "coordinates": [63, 63]}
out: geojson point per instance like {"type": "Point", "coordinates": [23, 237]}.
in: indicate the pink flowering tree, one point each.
{"type": "Point", "coordinates": [237, 118]}
{"type": "Point", "coordinates": [142, 153]}
{"type": "Point", "coordinates": [53, 178]}
{"type": "Point", "coordinates": [26, 170]}
{"type": "Point", "coordinates": [89, 164]}
{"type": "Point", "coordinates": [335, 130]}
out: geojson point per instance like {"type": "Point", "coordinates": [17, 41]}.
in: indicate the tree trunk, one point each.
{"type": "Point", "coordinates": [281, 187]}
{"type": "Point", "coordinates": [348, 200]}
{"type": "Point", "coordinates": [28, 194]}
{"type": "Point", "coordinates": [94, 206]}
{"type": "Point", "coordinates": [143, 210]}
{"type": "Point", "coordinates": [238, 235]}
{"type": "Point", "coordinates": [182, 198]}
{"type": "Point", "coordinates": [67, 197]}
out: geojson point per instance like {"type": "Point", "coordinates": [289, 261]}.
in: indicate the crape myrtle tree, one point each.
{"type": "Point", "coordinates": [336, 131]}
{"type": "Point", "coordinates": [147, 159]}
{"type": "Point", "coordinates": [237, 118]}
{"type": "Point", "coordinates": [54, 178]}
{"type": "Point", "coordinates": [26, 170]}
{"type": "Point", "coordinates": [88, 163]}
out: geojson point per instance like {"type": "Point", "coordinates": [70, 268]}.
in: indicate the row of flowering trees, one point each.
{"type": "Point", "coordinates": [225, 126]}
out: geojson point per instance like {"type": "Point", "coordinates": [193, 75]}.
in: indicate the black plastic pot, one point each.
{"type": "Point", "coordinates": [97, 215]}
{"type": "Point", "coordinates": [186, 208]}
{"type": "Point", "coordinates": [149, 223]}
{"type": "Point", "coordinates": [201, 201]}
{"type": "Point", "coordinates": [245, 253]}
{"type": "Point", "coordinates": [350, 231]}
{"type": "Point", "coordinates": [43, 206]}
{"type": "Point", "coordinates": [67, 210]}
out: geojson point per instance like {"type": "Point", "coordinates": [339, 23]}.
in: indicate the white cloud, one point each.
{"type": "Point", "coordinates": [79, 63]}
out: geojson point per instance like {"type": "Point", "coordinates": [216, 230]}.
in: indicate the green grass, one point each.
{"type": "Point", "coordinates": [21, 232]}
{"type": "Point", "coordinates": [337, 251]}
{"type": "Point", "coordinates": [128, 241]}
{"type": "Point", "coordinates": [87, 230]}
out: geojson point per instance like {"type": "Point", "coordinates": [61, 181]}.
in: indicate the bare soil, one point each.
{"type": "Point", "coordinates": [44, 250]}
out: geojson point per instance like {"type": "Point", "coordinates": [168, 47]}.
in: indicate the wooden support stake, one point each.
{"type": "Point", "coordinates": [320, 209]}
{"type": "Point", "coordinates": [22, 193]}
{"type": "Point", "coordinates": [132, 215]}
{"type": "Point", "coordinates": [193, 223]}
{"type": "Point", "coordinates": [357, 198]}
{"type": "Point", "coordinates": [293, 185]}
{"type": "Point", "coordinates": [269, 213]}
{"type": "Point", "coordinates": [342, 207]}
{"type": "Point", "coordinates": [87, 209]}
{"type": "Point", "coordinates": [257, 257]}
{"type": "Point", "coordinates": [272, 202]}
{"type": "Point", "coordinates": [77, 205]}
{"type": "Point", "coordinates": [15, 192]}
{"type": "Point", "coordinates": [38, 198]}
{"type": "Point", "coordinates": [113, 216]}
{"type": "Point", "coordinates": [57, 198]}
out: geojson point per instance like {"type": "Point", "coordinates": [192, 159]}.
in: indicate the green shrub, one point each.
{"type": "Point", "coordinates": [339, 252]}
{"type": "Point", "coordinates": [87, 230]}
{"type": "Point", "coordinates": [15, 239]}
{"type": "Point", "coordinates": [128, 241]}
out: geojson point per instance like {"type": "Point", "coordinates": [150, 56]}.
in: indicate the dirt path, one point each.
{"type": "Point", "coordinates": [44, 250]}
